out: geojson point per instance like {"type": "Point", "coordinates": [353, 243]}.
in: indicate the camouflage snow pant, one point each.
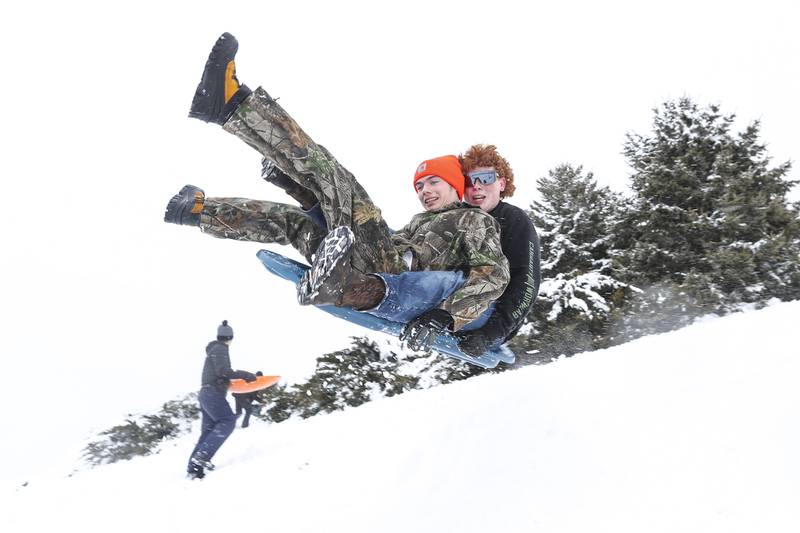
{"type": "Point", "coordinates": [264, 125]}
{"type": "Point", "coordinates": [261, 221]}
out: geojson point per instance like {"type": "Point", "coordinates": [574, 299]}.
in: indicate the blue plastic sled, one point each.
{"type": "Point", "coordinates": [291, 270]}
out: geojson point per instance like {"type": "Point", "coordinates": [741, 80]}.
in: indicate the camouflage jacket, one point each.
{"type": "Point", "coordinates": [459, 237]}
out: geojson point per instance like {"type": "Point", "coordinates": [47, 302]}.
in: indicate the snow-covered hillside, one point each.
{"type": "Point", "coordinates": [695, 430]}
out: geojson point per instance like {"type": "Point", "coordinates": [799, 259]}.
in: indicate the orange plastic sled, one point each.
{"type": "Point", "coordinates": [261, 382]}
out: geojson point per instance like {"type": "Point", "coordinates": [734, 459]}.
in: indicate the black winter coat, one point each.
{"type": "Point", "coordinates": [520, 244]}
{"type": "Point", "coordinates": [217, 371]}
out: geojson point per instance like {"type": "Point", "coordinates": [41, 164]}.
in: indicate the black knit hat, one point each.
{"type": "Point", "coordinates": [224, 331]}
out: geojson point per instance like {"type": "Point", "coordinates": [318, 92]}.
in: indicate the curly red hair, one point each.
{"type": "Point", "coordinates": [483, 155]}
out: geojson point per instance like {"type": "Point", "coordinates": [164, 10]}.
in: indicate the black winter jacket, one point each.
{"type": "Point", "coordinates": [217, 371]}
{"type": "Point", "coordinates": [520, 244]}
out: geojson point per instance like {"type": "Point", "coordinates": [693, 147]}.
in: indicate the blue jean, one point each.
{"type": "Point", "coordinates": [410, 294]}
{"type": "Point", "coordinates": [218, 423]}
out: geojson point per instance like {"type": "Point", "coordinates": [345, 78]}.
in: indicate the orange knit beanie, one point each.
{"type": "Point", "coordinates": [446, 167]}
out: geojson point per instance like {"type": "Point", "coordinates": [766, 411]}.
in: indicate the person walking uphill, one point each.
{"type": "Point", "coordinates": [218, 419]}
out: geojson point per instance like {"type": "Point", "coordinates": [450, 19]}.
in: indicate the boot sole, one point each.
{"type": "Point", "coordinates": [209, 97]}
{"type": "Point", "coordinates": [178, 207]}
{"type": "Point", "coordinates": [335, 248]}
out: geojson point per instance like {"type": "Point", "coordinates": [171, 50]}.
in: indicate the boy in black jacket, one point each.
{"type": "Point", "coordinates": [490, 180]}
{"type": "Point", "coordinates": [244, 403]}
{"type": "Point", "coordinates": [218, 419]}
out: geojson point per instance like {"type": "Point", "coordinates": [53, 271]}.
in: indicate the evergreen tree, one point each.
{"type": "Point", "coordinates": [143, 434]}
{"type": "Point", "coordinates": [670, 226]}
{"type": "Point", "coordinates": [710, 222]}
{"type": "Point", "coordinates": [578, 293]}
{"type": "Point", "coordinates": [356, 375]}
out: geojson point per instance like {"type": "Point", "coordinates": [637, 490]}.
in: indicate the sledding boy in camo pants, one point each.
{"type": "Point", "coordinates": [461, 242]}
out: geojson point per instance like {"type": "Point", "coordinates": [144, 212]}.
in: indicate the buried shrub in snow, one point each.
{"type": "Point", "coordinates": [142, 434]}
{"type": "Point", "coordinates": [344, 378]}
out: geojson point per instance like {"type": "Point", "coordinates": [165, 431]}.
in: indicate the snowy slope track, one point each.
{"type": "Point", "coordinates": [695, 430]}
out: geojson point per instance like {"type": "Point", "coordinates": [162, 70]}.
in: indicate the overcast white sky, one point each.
{"type": "Point", "coordinates": [95, 140]}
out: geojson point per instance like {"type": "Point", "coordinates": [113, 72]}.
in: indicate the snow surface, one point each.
{"type": "Point", "coordinates": [694, 430]}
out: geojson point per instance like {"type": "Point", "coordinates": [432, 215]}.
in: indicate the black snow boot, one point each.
{"type": "Point", "coordinates": [195, 472]}
{"type": "Point", "coordinates": [219, 91]}
{"type": "Point", "coordinates": [332, 281]}
{"type": "Point", "coordinates": [272, 174]}
{"type": "Point", "coordinates": [184, 208]}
